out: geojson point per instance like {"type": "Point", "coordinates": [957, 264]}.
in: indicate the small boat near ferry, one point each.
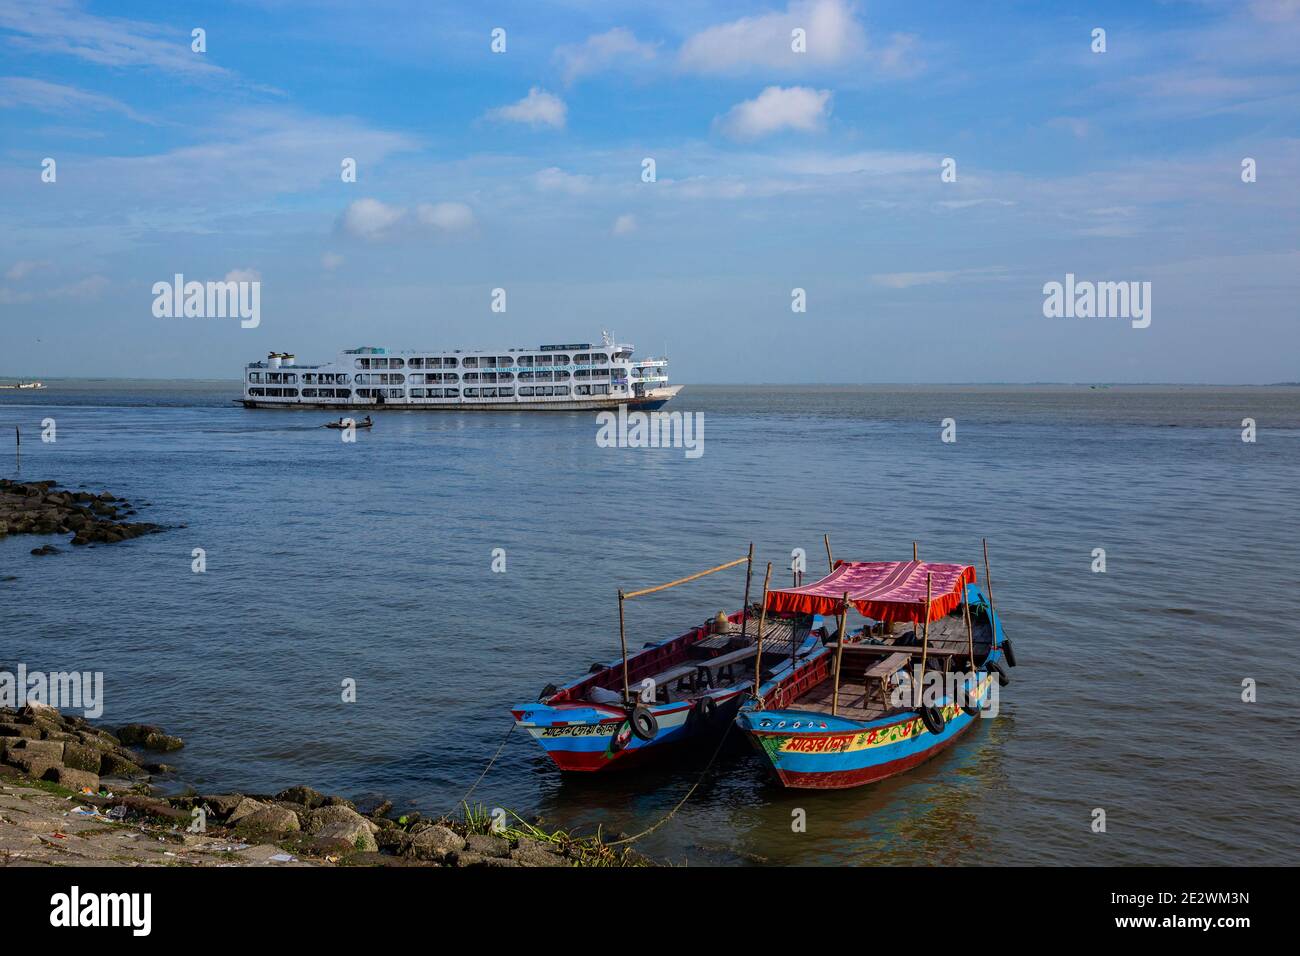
{"type": "Point", "coordinates": [349, 422]}
{"type": "Point", "coordinates": [686, 688]}
{"type": "Point", "coordinates": [855, 715]}
{"type": "Point", "coordinates": [555, 377]}
{"type": "Point", "coordinates": [23, 386]}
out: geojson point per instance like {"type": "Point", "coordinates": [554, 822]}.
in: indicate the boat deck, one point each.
{"type": "Point", "coordinates": [865, 665]}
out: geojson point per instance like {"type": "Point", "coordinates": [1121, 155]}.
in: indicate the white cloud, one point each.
{"type": "Point", "coordinates": [17, 91]}
{"type": "Point", "coordinates": [615, 49]}
{"type": "Point", "coordinates": [275, 151]}
{"type": "Point", "coordinates": [370, 219]}
{"type": "Point", "coordinates": [876, 163]}
{"type": "Point", "coordinates": [331, 261]}
{"type": "Point", "coordinates": [625, 225]}
{"type": "Point", "coordinates": [25, 267]}
{"type": "Point", "coordinates": [906, 280]}
{"type": "Point", "coordinates": [834, 36]}
{"type": "Point", "coordinates": [91, 287]}
{"type": "Point", "coordinates": [538, 108]}
{"type": "Point", "coordinates": [554, 179]}
{"type": "Point", "coordinates": [777, 108]}
{"type": "Point", "coordinates": [61, 27]}
{"type": "Point", "coordinates": [446, 216]}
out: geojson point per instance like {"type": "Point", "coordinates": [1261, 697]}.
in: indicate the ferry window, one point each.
{"type": "Point", "coordinates": [435, 393]}
{"type": "Point", "coordinates": [561, 360]}
{"type": "Point", "coordinates": [471, 376]}
{"type": "Point", "coordinates": [562, 376]}
{"type": "Point", "coordinates": [489, 393]}
{"type": "Point", "coordinates": [505, 376]}
{"type": "Point", "coordinates": [584, 389]}
{"type": "Point", "coordinates": [449, 363]}
{"type": "Point", "coordinates": [525, 390]}
{"type": "Point", "coordinates": [471, 393]}
{"type": "Point", "coordinates": [506, 392]}
{"type": "Point", "coordinates": [562, 390]}
{"type": "Point", "coordinates": [451, 393]}
{"type": "Point", "coordinates": [417, 393]}
{"type": "Point", "coordinates": [470, 363]}
{"type": "Point", "coordinates": [600, 389]}
{"type": "Point", "coordinates": [489, 376]}
{"type": "Point", "coordinates": [580, 359]}
{"type": "Point", "coordinates": [257, 391]}
{"type": "Point", "coordinates": [254, 376]}
{"type": "Point", "coordinates": [544, 359]}
{"type": "Point", "coordinates": [361, 363]}
{"type": "Point", "coordinates": [524, 361]}
{"type": "Point", "coordinates": [417, 363]}
{"type": "Point", "coordinates": [397, 363]}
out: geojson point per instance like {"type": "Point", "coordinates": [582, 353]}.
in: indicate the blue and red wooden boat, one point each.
{"type": "Point", "coordinates": [917, 676]}
{"type": "Point", "coordinates": [671, 692]}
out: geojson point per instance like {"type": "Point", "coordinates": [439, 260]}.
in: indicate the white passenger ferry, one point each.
{"type": "Point", "coordinates": [548, 377]}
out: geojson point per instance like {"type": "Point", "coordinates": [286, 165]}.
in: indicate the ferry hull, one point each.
{"type": "Point", "coordinates": [647, 403]}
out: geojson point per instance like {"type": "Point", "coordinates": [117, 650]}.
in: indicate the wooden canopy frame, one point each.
{"type": "Point", "coordinates": [624, 596]}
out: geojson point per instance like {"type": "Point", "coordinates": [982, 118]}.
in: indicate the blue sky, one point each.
{"type": "Point", "coordinates": [775, 171]}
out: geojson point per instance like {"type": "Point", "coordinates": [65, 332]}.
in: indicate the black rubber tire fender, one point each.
{"type": "Point", "coordinates": [996, 666]}
{"type": "Point", "coordinates": [1009, 651]}
{"type": "Point", "coordinates": [644, 724]}
{"type": "Point", "coordinates": [932, 717]}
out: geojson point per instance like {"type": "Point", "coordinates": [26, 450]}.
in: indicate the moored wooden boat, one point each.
{"type": "Point", "coordinates": [686, 688]}
{"type": "Point", "coordinates": [894, 695]}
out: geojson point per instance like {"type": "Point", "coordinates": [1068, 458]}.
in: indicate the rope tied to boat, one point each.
{"type": "Point", "coordinates": [695, 786]}
{"type": "Point", "coordinates": [468, 793]}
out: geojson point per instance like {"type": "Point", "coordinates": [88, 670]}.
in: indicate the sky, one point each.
{"type": "Point", "coordinates": [921, 171]}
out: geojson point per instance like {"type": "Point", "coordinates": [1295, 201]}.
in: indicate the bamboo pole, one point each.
{"type": "Point", "coordinates": [970, 640]}
{"type": "Point", "coordinates": [839, 653]}
{"type": "Point", "coordinates": [826, 539]}
{"type": "Point", "coordinates": [744, 607]}
{"type": "Point", "coordinates": [925, 637]}
{"type": "Point", "coordinates": [914, 558]}
{"type": "Point", "coordinates": [673, 584]}
{"type": "Point", "coordinates": [988, 580]}
{"type": "Point", "coordinates": [622, 640]}
{"type": "Point", "coordinates": [762, 619]}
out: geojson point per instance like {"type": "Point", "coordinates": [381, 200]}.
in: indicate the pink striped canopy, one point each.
{"type": "Point", "coordinates": [881, 590]}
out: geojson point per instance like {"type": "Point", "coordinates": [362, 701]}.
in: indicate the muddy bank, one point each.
{"type": "Point", "coordinates": [72, 792]}
{"type": "Point", "coordinates": [41, 507]}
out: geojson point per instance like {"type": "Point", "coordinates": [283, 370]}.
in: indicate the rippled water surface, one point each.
{"type": "Point", "coordinates": [372, 561]}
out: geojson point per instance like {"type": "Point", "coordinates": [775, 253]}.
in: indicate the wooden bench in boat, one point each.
{"type": "Point", "coordinates": [711, 670]}
{"type": "Point", "coordinates": [674, 677]}
{"type": "Point", "coordinates": [879, 674]}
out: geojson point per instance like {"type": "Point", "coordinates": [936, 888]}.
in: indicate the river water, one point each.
{"type": "Point", "coordinates": [372, 561]}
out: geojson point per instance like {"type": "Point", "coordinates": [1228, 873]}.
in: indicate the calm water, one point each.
{"type": "Point", "coordinates": [372, 561]}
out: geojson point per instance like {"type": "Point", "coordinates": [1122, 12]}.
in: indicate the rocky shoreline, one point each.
{"type": "Point", "coordinates": [41, 507]}
{"type": "Point", "coordinates": [71, 792]}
